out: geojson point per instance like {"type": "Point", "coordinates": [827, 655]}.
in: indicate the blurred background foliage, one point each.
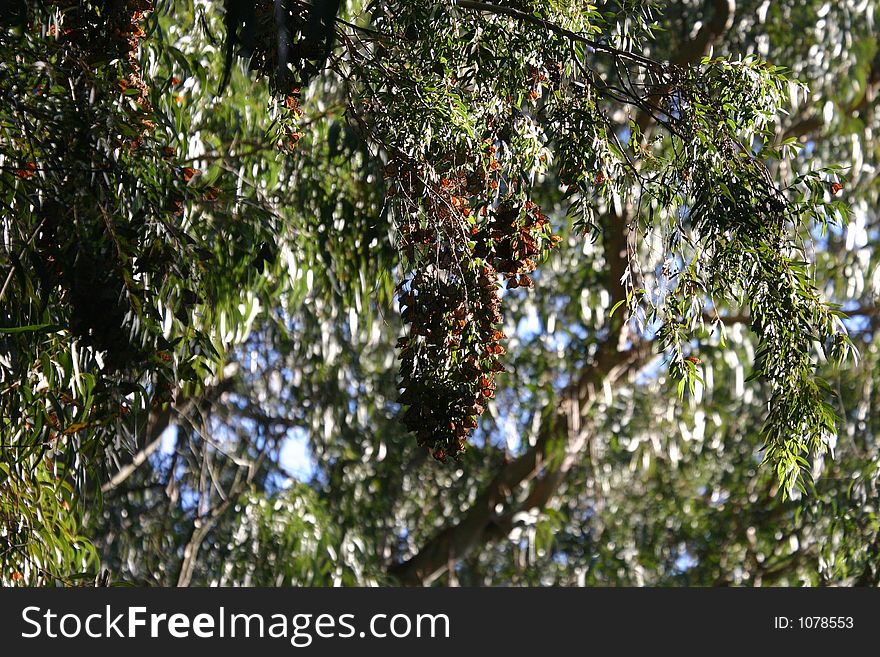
{"type": "Point", "coordinates": [198, 319]}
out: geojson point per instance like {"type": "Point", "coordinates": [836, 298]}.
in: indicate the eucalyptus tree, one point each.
{"type": "Point", "coordinates": [552, 290]}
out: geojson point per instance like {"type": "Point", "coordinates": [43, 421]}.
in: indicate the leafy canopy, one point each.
{"type": "Point", "coordinates": [157, 200]}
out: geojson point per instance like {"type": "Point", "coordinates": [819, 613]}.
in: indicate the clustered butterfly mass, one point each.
{"type": "Point", "coordinates": [451, 300]}
{"type": "Point", "coordinates": [477, 228]}
{"type": "Point", "coordinates": [65, 257]}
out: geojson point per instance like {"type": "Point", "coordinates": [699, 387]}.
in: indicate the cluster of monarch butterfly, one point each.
{"type": "Point", "coordinates": [128, 32]}
{"type": "Point", "coordinates": [287, 111]}
{"type": "Point", "coordinates": [80, 261]}
{"type": "Point", "coordinates": [450, 357]}
{"type": "Point", "coordinates": [452, 301]}
{"type": "Point", "coordinates": [537, 80]}
{"type": "Point", "coordinates": [511, 238]}
{"type": "Point", "coordinates": [290, 114]}
{"type": "Point", "coordinates": [106, 32]}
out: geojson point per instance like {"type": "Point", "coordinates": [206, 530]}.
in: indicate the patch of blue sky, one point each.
{"type": "Point", "coordinates": [296, 457]}
{"type": "Point", "coordinates": [168, 440]}
{"type": "Point", "coordinates": [651, 372]}
{"type": "Point", "coordinates": [807, 151]}
{"type": "Point", "coordinates": [684, 561]}
{"type": "Point", "coordinates": [529, 327]}
{"type": "Point", "coordinates": [856, 323]}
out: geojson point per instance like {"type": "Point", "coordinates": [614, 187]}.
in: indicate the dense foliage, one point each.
{"type": "Point", "coordinates": [611, 265]}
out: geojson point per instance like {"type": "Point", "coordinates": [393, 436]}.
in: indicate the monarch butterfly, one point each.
{"type": "Point", "coordinates": [496, 366]}
{"type": "Point", "coordinates": [836, 187]}
{"type": "Point", "coordinates": [27, 171]}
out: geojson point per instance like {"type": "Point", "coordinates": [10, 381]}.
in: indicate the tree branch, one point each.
{"type": "Point", "coordinates": [488, 8]}
{"type": "Point", "coordinates": [157, 423]}
{"type": "Point", "coordinates": [126, 471]}
{"type": "Point", "coordinates": [723, 12]}
{"type": "Point", "coordinates": [690, 52]}
{"type": "Point", "coordinates": [870, 312]}
{"type": "Point", "coordinates": [482, 523]}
